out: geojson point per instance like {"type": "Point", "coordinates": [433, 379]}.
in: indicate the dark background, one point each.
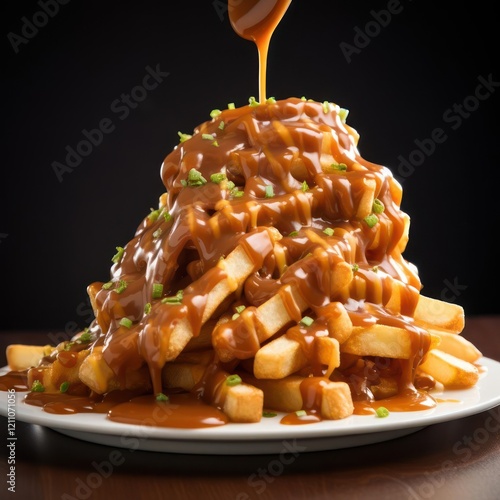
{"type": "Point", "coordinates": [57, 237]}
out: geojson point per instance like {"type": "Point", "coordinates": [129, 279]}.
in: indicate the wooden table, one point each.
{"type": "Point", "coordinates": [456, 460]}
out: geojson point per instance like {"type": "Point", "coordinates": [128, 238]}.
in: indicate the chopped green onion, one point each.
{"type": "Point", "coordinates": [343, 114]}
{"type": "Point", "coordinates": [147, 308]}
{"type": "Point", "coordinates": [121, 286]}
{"type": "Point", "coordinates": [167, 217]}
{"type": "Point", "coordinates": [107, 285]}
{"type": "Point", "coordinates": [231, 105]}
{"type": "Point", "coordinates": [157, 290]}
{"type": "Point", "coordinates": [118, 255]}
{"type": "Point", "coordinates": [240, 309]}
{"type": "Point", "coordinates": [84, 338]}
{"type": "Point", "coordinates": [176, 299]}
{"type": "Point", "coordinates": [208, 137]}
{"type": "Point", "coordinates": [215, 143]}
{"type": "Point", "coordinates": [236, 193]}
{"type": "Point", "coordinates": [371, 220]}
{"type": "Point", "coordinates": [68, 346]}
{"type": "Point", "coordinates": [328, 231]}
{"type": "Point", "coordinates": [269, 414]}
{"type": "Point", "coordinates": [378, 206]}
{"type": "Point", "coordinates": [355, 268]}
{"type": "Point", "coordinates": [269, 191]}
{"type": "Point", "coordinates": [306, 321]}
{"type": "Point", "coordinates": [271, 100]}
{"type": "Point", "coordinates": [157, 233]}
{"type": "Point", "coordinates": [305, 186]}
{"type": "Point", "coordinates": [301, 413]}
{"type": "Point", "coordinates": [293, 233]}
{"type": "Point", "coordinates": [326, 107]}
{"type": "Point", "coordinates": [218, 177]}
{"type": "Point", "coordinates": [126, 322]}
{"type": "Point", "coordinates": [233, 380]}
{"type": "Point", "coordinates": [235, 316]}
{"type": "Point", "coordinates": [375, 269]}
{"type": "Point", "coordinates": [195, 178]}
{"type": "Point", "coordinates": [37, 386]}
{"type": "Point", "coordinates": [339, 166]}
{"type": "Point", "coordinates": [184, 137]}
{"type": "Point", "coordinates": [303, 98]}
{"type": "Point", "coordinates": [382, 412]}
{"type": "Point", "coordinates": [253, 102]}
{"type": "Point", "coordinates": [161, 397]}
{"type": "Point", "coordinates": [153, 216]}
{"type": "Point", "coordinates": [64, 387]}
{"type": "Point", "coordinates": [221, 125]}
{"type": "Point", "coordinates": [215, 112]}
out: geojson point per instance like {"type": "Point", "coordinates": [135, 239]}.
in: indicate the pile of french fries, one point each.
{"type": "Point", "coordinates": [283, 354]}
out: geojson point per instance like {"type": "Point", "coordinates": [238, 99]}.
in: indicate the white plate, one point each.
{"type": "Point", "coordinates": [267, 436]}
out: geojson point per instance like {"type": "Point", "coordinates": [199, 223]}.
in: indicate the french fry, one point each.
{"type": "Point", "coordinates": [270, 317]}
{"type": "Point", "coordinates": [438, 314]}
{"type": "Point", "coordinates": [457, 345]}
{"type": "Point", "coordinates": [382, 340]}
{"type": "Point", "coordinates": [21, 357]}
{"type": "Point", "coordinates": [286, 395]}
{"type": "Point", "coordinates": [452, 372]}
{"type": "Point", "coordinates": [283, 356]}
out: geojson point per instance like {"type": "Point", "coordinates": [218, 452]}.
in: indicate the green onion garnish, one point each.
{"type": "Point", "coordinates": [269, 191]}
{"type": "Point", "coordinates": [153, 216]}
{"type": "Point", "coordinates": [64, 387]}
{"type": "Point", "coordinates": [208, 137]}
{"type": "Point", "coordinates": [328, 231]}
{"type": "Point", "coordinates": [253, 102]}
{"type": "Point", "coordinates": [157, 233]}
{"type": "Point", "coordinates": [378, 207]}
{"type": "Point", "coordinates": [195, 178]}
{"type": "Point", "coordinates": [37, 386]}
{"type": "Point", "coordinates": [157, 290]}
{"type": "Point", "coordinates": [107, 285]}
{"type": "Point", "coordinates": [232, 380]}
{"type": "Point", "coordinates": [121, 286]}
{"type": "Point", "coordinates": [221, 125]}
{"type": "Point", "coordinates": [355, 268]}
{"type": "Point", "coordinates": [126, 322]}
{"type": "Point", "coordinates": [305, 186]}
{"type": "Point", "coordinates": [84, 338]}
{"type": "Point", "coordinates": [371, 220]}
{"type": "Point", "coordinates": [382, 412]}
{"type": "Point", "coordinates": [184, 137]}
{"type": "Point", "coordinates": [118, 255]}
{"type": "Point", "coordinates": [218, 177]}
{"type": "Point", "coordinates": [339, 166]}
{"type": "Point", "coordinates": [239, 309]}
{"type": "Point", "coordinates": [301, 413]}
{"type": "Point", "coordinates": [161, 397]}
{"type": "Point", "coordinates": [326, 106]}
{"type": "Point", "coordinates": [269, 414]}
{"type": "Point", "coordinates": [293, 233]}
{"type": "Point", "coordinates": [231, 105]}
{"type": "Point", "coordinates": [215, 112]}
{"type": "Point", "coordinates": [167, 217]}
{"type": "Point", "coordinates": [343, 114]}
{"type": "Point", "coordinates": [306, 321]}
{"type": "Point", "coordinates": [147, 308]}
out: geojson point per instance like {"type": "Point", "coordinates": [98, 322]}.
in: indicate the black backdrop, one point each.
{"type": "Point", "coordinates": [421, 85]}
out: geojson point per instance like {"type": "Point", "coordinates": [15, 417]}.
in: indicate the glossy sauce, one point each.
{"type": "Point", "coordinates": [256, 20]}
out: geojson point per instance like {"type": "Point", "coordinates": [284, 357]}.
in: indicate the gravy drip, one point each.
{"type": "Point", "coordinates": [256, 20]}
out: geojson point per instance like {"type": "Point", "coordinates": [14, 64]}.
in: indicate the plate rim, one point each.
{"type": "Point", "coordinates": [270, 430]}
